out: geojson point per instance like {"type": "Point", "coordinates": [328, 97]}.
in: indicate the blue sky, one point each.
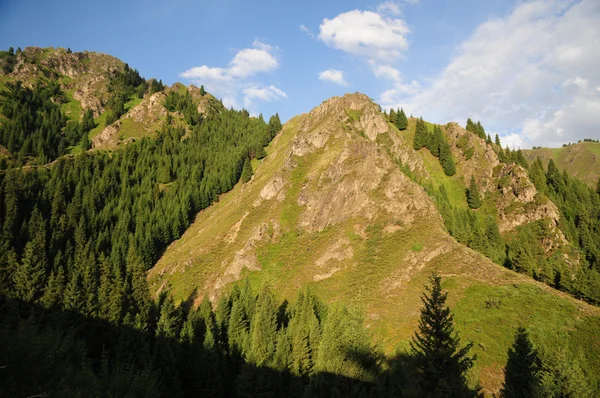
{"type": "Point", "coordinates": [527, 69]}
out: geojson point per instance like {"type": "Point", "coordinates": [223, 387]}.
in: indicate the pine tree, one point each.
{"type": "Point", "coordinates": [480, 130]}
{"type": "Point", "coordinates": [401, 120]}
{"type": "Point", "coordinates": [421, 135]}
{"type": "Point", "coordinates": [473, 196]}
{"type": "Point", "coordinates": [446, 159]}
{"type": "Point", "coordinates": [441, 365]}
{"type": "Point", "coordinates": [54, 289]}
{"type": "Point", "coordinates": [471, 127]}
{"type": "Point", "coordinates": [202, 91]}
{"type": "Point", "coordinates": [30, 276]}
{"type": "Point", "coordinates": [393, 117]}
{"type": "Point", "coordinates": [521, 374]}
{"type": "Point", "coordinates": [247, 170]}
{"type": "Point", "coordinates": [497, 141]}
{"type": "Point", "coordinates": [263, 330]}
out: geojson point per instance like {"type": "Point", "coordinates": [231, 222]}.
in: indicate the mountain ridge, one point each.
{"type": "Point", "coordinates": [330, 208]}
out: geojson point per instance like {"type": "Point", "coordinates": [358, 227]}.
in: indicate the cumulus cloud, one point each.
{"type": "Point", "coordinates": [266, 94]}
{"type": "Point", "coordinates": [373, 35]}
{"type": "Point", "coordinates": [531, 75]}
{"type": "Point", "coordinates": [233, 81]}
{"type": "Point", "coordinates": [334, 76]}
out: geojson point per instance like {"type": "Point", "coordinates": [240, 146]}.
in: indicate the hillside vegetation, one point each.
{"type": "Point", "coordinates": [580, 160]}
{"type": "Point", "coordinates": [337, 205]}
{"type": "Point", "coordinates": [154, 243]}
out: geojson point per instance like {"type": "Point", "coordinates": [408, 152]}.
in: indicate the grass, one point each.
{"type": "Point", "coordinates": [581, 160]}
{"type": "Point", "coordinates": [385, 275]}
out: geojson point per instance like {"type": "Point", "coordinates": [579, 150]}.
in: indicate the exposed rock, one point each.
{"type": "Point", "coordinates": [273, 189]}
{"type": "Point", "coordinates": [109, 137]}
{"type": "Point", "coordinates": [480, 165]}
{"type": "Point", "coordinates": [149, 111]}
{"type": "Point", "coordinates": [340, 250]}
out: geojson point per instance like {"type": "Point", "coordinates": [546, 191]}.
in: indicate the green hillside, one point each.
{"type": "Point", "coordinates": [329, 208]}
{"type": "Point", "coordinates": [581, 160]}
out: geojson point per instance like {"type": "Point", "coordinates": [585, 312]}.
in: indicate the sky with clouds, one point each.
{"type": "Point", "coordinates": [528, 70]}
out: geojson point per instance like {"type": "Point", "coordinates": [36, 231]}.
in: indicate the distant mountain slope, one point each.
{"type": "Point", "coordinates": [122, 104]}
{"type": "Point", "coordinates": [332, 207]}
{"type": "Point", "coordinates": [581, 160]}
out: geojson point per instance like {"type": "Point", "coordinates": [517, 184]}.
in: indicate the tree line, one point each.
{"type": "Point", "coordinates": [249, 344]}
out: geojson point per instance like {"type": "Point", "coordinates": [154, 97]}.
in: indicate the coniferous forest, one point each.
{"type": "Point", "coordinates": [78, 234]}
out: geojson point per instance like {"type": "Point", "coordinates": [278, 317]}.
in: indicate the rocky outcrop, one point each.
{"type": "Point", "coordinates": [109, 137]}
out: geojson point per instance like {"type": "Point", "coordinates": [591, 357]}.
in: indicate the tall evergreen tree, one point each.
{"type": "Point", "coordinates": [441, 366]}
{"type": "Point", "coordinates": [446, 159]}
{"type": "Point", "coordinates": [247, 171]}
{"type": "Point", "coordinates": [497, 141]}
{"type": "Point", "coordinates": [263, 330]}
{"type": "Point", "coordinates": [521, 374]}
{"type": "Point", "coordinates": [393, 117]}
{"type": "Point", "coordinates": [473, 195]}
{"type": "Point", "coordinates": [401, 120]}
{"type": "Point", "coordinates": [421, 135]}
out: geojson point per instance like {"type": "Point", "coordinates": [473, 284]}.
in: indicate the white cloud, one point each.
{"type": "Point", "coordinates": [307, 31]}
{"type": "Point", "coordinates": [333, 75]}
{"type": "Point", "coordinates": [266, 94]}
{"type": "Point", "coordinates": [386, 72]}
{"type": "Point", "coordinates": [534, 71]}
{"type": "Point", "coordinates": [389, 7]}
{"type": "Point", "coordinates": [233, 81]}
{"type": "Point", "coordinates": [366, 34]}
{"type": "Point", "coordinates": [512, 140]}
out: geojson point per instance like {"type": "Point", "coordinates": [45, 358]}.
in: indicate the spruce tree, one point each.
{"type": "Point", "coordinates": [521, 374]}
{"type": "Point", "coordinates": [247, 170]}
{"type": "Point", "coordinates": [263, 330]}
{"type": "Point", "coordinates": [421, 135]}
{"type": "Point", "coordinates": [401, 120]}
{"type": "Point", "coordinates": [497, 141]}
{"type": "Point", "coordinates": [446, 159]}
{"type": "Point", "coordinates": [393, 117]}
{"type": "Point", "coordinates": [441, 366]}
{"type": "Point", "coordinates": [473, 196]}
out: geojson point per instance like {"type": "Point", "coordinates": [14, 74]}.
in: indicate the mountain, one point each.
{"type": "Point", "coordinates": [341, 205]}
{"type": "Point", "coordinates": [122, 106]}
{"type": "Point", "coordinates": [581, 160]}
{"type": "Point", "coordinates": [147, 231]}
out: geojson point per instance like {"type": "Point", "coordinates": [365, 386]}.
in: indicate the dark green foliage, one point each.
{"type": "Point", "coordinates": [202, 91]}
{"type": "Point", "coordinates": [34, 121]}
{"type": "Point", "coordinates": [184, 104]}
{"type": "Point", "coordinates": [497, 141]}
{"type": "Point", "coordinates": [446, 159]}
{"type": "Point", "coordinates": [441, 366]}
{"type": "Point", "coordinates": [274, 125]}
{"type": "Point", "coordinates": [564, 375]}
{"type": "Point", "coordinates": [156, 86]}
{"type": "Point", "coordinates": [437, 145]}
{"type": "Point", "coordinates": [421, 135]}
{"type": "Point", "coordinates": [8, 59]}
{"type": "Point", "coordinates": [473, 196]}
{"type": "Point", "coordinates": [521, 374]}
{"type": "Point", "coordinates": [247, 171]}
{"type": "Point", "coordinates": [393, 117]}
{"type": "Point", "coordinates": [113, 207]}
{"type": "Point", "coordinates": [401, 120]}
{"type": "Point", "coordinates": [476, 128]}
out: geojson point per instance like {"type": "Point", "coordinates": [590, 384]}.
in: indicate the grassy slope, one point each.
{"type": "Point", "coordinates": [385, 276]}
{"type": "Point", "coordinates": [581, 160]}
